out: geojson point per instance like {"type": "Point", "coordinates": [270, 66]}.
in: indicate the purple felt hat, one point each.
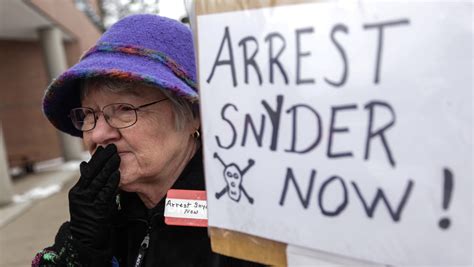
{"type": "Point", "coordinates": [150, 49]}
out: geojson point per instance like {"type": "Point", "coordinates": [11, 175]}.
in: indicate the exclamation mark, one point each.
{"type": "Point", "coordinates": [447, 192]}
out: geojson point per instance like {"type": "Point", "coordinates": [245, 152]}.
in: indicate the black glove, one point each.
{"type": "Point", "coordinates": [92, 199]}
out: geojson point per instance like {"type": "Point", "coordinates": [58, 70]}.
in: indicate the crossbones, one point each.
{"type": "Point", "coordinates": [233, 177]}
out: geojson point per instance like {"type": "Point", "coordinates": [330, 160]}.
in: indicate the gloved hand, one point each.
{"type": "Point", "coordinates": [92, 199]}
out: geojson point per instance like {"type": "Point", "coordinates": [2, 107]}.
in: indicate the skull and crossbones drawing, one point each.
{"type": "Point", "coordinates": [233, 177]}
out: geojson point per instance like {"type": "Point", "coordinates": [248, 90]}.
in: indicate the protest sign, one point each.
{"type": "Point", "coordinates": [345, 128]}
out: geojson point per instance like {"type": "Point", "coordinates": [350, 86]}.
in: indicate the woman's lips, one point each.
{"type": "Point", "coordinates": [123, 154]}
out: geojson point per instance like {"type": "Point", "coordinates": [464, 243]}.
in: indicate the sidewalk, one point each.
{"type": "Point", "coordinates": [40, 206]}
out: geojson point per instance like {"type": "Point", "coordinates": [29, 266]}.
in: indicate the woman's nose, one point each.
{"type": "Point", "coordinates": [103, 133]}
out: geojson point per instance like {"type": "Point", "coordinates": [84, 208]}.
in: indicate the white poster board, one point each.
{"type": "Point", "coordinates": [344, 127]}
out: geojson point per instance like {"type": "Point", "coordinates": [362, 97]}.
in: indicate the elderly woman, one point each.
{"type": "Point", "coordinates": [133, 100]}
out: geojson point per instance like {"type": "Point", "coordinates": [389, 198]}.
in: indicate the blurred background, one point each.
{"type": "Point", "coordinates": [39, 39]}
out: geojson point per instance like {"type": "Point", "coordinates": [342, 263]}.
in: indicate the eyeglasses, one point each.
{"type": "Point", "coordinates": [117, 115]}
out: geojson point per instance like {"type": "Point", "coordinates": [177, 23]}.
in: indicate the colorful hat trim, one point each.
{"type": "Point", "coordinates": [144, 52]}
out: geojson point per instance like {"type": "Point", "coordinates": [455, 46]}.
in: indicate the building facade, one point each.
{"type": "Point", "coordinates": [38, 40]}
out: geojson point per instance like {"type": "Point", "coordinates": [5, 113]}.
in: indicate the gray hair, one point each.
{"type": "Point", "coordinates": [184, 111]}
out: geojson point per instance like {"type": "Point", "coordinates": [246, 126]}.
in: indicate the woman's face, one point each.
{"type": "Point", "coordinates": [152, 149]}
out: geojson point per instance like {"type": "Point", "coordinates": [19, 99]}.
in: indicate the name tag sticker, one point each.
{"type": "Point", "coordinates": [186, 208]}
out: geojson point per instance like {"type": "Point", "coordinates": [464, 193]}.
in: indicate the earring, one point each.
{"type": "Point", "coordinates": [196, 134]}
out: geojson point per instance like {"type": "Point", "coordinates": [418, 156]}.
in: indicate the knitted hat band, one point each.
{"type": "Point", "coordinates": [144, 52]}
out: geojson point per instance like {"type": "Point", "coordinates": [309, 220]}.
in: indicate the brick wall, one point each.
{"type": "Point", "coordinates": [23, 79]}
